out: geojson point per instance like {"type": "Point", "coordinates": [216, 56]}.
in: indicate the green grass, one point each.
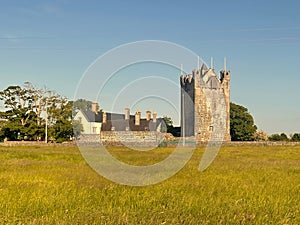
{"type": "Point", "coordinates": [244, 185]}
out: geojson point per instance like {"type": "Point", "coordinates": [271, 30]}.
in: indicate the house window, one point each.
{"type": "Point", "coordinates": [94, 130]}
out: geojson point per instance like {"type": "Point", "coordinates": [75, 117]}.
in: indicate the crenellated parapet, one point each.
{"type": "Point", "coordinates": [186, 80]}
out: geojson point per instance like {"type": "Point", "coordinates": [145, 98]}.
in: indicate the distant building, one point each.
{"type": "Point", "coordinates": [95, 121]}
{"type": "Point", "coordinates": [91, 120]}
{"type": "Point", "coordinates": [133, 130]}
{"type": "Point", "coordinates": [132, 123]}
{"type": "Point", "coordinates": [202, 93]}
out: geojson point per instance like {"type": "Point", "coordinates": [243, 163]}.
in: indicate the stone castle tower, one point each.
{"type": "Point", "coordinates": [205, 104]}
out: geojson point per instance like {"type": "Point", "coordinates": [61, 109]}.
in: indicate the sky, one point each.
{"type": "Point", "coordinates": [53, 43]}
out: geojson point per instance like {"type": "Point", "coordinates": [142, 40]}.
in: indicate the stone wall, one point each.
{"type": "Point", "coordinates": [131, 138]}
{"type": "Point", "coordinates": [168, 139]}
{"type": "Point", "coordinates": [119, 138]}
{"type": "Point", "coordinates": [36, 143]}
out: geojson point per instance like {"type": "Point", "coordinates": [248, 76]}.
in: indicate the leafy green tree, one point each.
{"type": "Point", "coordinates": [2, 124]}
{"type": "Point", "coordinates": [295, 137]}
{"type": "Point", "coordinates": [168, 121]}
{"type": "Point", "coordinates": [77, 128]}
{"type": "Point", "coordinates": [14, 130]}
{"type": "Point", "coordinates": [242, 127]}
{"type": "Point", "coordinates": [169, 126]}
{"type": "Point", "coordinates": [82, 104]}
{"type": "Point", "coordinates": [284, 137]}
{"type": "Point", "coordinates": [24, 112]}
{"type": "Point", "coordinates": [26, 107]}
{"type": "Point", "coordinates": [62, 130]}
{"type": "Point", "coordinates": [60, 122]}
{"type": "Point", "coordinates": [18, 102]}
{"type": "Point", "coordinates": [19, 114]}
{"type": "Point", "coordinates": [279, 137]}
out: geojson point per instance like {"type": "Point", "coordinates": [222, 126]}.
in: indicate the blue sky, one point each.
{"type": "Point", "coordinates": [52, 43]}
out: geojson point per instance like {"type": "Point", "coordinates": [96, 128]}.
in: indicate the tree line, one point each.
{"type": "Point", "coordinates": [242, 127]}
{"type": "Point", "coordinates": [35, 114]}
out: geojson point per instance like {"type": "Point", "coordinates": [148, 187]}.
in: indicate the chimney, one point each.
{"type": "Point", "coordinates": [148, 115]}
{"type": "Point", "coordinates": [104, 119]}
{"type": "Point", "coordinates": [137, 117]}
{"type": "Point", "coordinates": [154, 117]}
{"type": "Point", "coordinates": [127, 113]}
{"type": "Point", "coordinates": [95, 107]}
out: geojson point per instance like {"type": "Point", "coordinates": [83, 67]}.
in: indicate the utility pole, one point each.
{"type": "Point", "coordinates": [46, 128]}
{"type": "Point", "coordinates": [49, 94]}
{"type": "Point", "coordinates": [183, 120]}
{"type": "Point", "coordinates": [182, 106]}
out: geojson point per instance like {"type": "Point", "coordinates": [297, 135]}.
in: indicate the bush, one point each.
{"type": "Point", "coordinates": [279, 137]}
{"type": "Point", "coordinates": [296, 137]}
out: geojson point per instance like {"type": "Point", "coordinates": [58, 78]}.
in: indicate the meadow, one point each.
{"type": "Point", "coordinates": [244, 185]}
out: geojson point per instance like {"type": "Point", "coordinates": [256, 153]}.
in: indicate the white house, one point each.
{"type": "Point", "coordinates": [91, 121]}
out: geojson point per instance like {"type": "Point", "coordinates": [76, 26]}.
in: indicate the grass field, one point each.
{"type": "Point", "coordinates": [244, 185]}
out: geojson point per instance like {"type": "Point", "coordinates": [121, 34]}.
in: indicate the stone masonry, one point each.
{"type": "Point", "coordinates": [205, 102]}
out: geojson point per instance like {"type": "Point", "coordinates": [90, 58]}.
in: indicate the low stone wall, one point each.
{"type": "Point", "coordinates": [260, 143]}
{"type": "Point", "coordinates": [138, 138]}
{"type": "Point", "coordinates": [86, 139]}
{"type": "Point", "coordinates": [131, 138]}
{"type": "Point", "coordinates": [35, 143]}
{"type": "Point", "coordinates": [121, 138]}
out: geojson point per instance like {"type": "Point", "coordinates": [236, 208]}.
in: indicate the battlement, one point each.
{"type": "Point", "coordinates": [186, 79]}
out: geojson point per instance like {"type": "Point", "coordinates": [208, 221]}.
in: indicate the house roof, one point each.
{"type": "Point", "coordinates": [93, 117]}
{"type": "Point", "coordinates": [122, 125]}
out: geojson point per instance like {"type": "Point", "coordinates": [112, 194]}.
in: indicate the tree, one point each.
{"type": "Point", "coordinates": [62, 130]}
{"type": "Point", "coordinates": [279, 137]}
{"type": "Point", "coordinates": [2, 124]}
{"type": "Point", "coordinates": [169, 126]}
{"type": "Point", "coordinates": [77, 128]}
{"type": "Point", "coordinates": [60, 118]}
{"type": "Point", "coordinates": [82, 104]}
{"type": "Point", "coordinates": [242, 127]}
{"type": "Point", "coordinates": [20, 116]}
{"type": "Point", "coordinates": [295, 137]}
{"type": "Point", "coordinates": [18, 102]}
{"type": "Point", "coordinates": [38, 99]}
{"type": "Point", "coordinates": [26, 109]}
